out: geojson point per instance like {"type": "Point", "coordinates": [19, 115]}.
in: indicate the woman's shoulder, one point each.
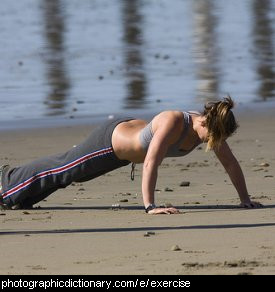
{"type": "Point", "coordinates": [169, 115]}
{"type": "Point", "coordinates": [168, 119]}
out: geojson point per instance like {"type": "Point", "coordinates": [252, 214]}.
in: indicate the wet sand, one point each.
{"type": "Point", "coordinates": [76, 231]}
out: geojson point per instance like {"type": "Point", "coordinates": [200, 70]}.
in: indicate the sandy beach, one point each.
{"type": "Point", "coordinates": [76, 230]}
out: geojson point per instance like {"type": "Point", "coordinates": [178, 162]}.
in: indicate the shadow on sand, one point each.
{"type": "Point", "coordinates": [143, 228]}
{"type": "Point", "coordinates": [136, 229]}
{"type": "Point", "coordinates": [185, 207]}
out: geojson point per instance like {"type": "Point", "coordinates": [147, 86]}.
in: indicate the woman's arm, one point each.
{"type": "Point", "coordinates": [235, 173]}
{"type": "Point", "coordinates": [165, 130]}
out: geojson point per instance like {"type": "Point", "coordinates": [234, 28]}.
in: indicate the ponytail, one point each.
{"type": "Point", "coordinates": [220, 121]}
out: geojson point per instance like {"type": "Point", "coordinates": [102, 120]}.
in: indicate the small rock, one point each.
{"type": "Point", "coordinates": [149, 233]}
{"type": "Point", "coordinates": [126, 194]}
{"type": "Point", "coordinates": [257, 169]}
{"type": "Point", "coordinates": [115, 206]}
{"type": "Point", "coordinates": [185, 184]}
{"type": "Point", "coordinates": [167, 189]}
{"type": "Point", "coordinates": [264, 164]}
{"type": "Point", "coordinates": [175, 248]}
{"type": "Point", "coordinates": [123, 200]}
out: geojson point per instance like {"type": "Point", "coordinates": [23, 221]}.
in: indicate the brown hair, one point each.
{"type": "Point", "coordinates": [220, 121]}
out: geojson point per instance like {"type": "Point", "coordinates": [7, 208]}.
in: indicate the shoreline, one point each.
{"type": "Point", "coordinates": [60, 122]}
{"type": "Point", "coordinates": [213, 235]}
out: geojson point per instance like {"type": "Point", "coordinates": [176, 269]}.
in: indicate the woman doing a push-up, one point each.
{"type": "Point", "coordinates": [119, 142]}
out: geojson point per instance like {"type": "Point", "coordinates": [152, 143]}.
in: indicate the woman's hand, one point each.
{"type": "Point", "coordinates": [170, 210]}
{"type": "Point", "coordinates": [251, 204]}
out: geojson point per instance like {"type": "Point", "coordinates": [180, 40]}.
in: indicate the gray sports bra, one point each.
{"type": "Point", "coordinates": [146, 136]}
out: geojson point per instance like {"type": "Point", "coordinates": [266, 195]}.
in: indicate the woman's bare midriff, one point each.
{"type": "Point", "coordinates": [125, 141]}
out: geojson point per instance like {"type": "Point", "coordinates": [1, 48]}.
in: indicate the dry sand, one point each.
{"type": "Point", "coordinates": [77, 232]}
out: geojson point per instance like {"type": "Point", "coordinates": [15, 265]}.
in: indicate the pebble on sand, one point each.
{"type": "Point", "coordinates": [115, 206]}
{"type": "Point", "coordinates": [264, 164]}
{"type": "Point", "coordinates": [185, 184]}
{"type": "Point", "coordinates": [175, 248]}
{"type": "Point", "coordinates": [149, 233]}
{"type": "Point", "coordinates": [123, 200]}
{"type": "Point", "coordinates": [167, 189]}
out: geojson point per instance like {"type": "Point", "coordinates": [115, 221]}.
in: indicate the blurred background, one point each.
{"type": "Point", "coordinates": [75, 59]}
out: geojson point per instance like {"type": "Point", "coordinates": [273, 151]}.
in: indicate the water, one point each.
{"type": "Point", "coordinates": [64, 59]}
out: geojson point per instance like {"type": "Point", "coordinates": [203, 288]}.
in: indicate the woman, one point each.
{"type": "Point", "coordinates": [122, 141]}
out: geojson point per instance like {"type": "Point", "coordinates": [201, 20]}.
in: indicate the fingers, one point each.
{"type": "Point", "coordinates": [256, 205]}
{"type": "Point", "coordinates": [251, 205]}
{"type": "Point", "coordinates": [171, 210]}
